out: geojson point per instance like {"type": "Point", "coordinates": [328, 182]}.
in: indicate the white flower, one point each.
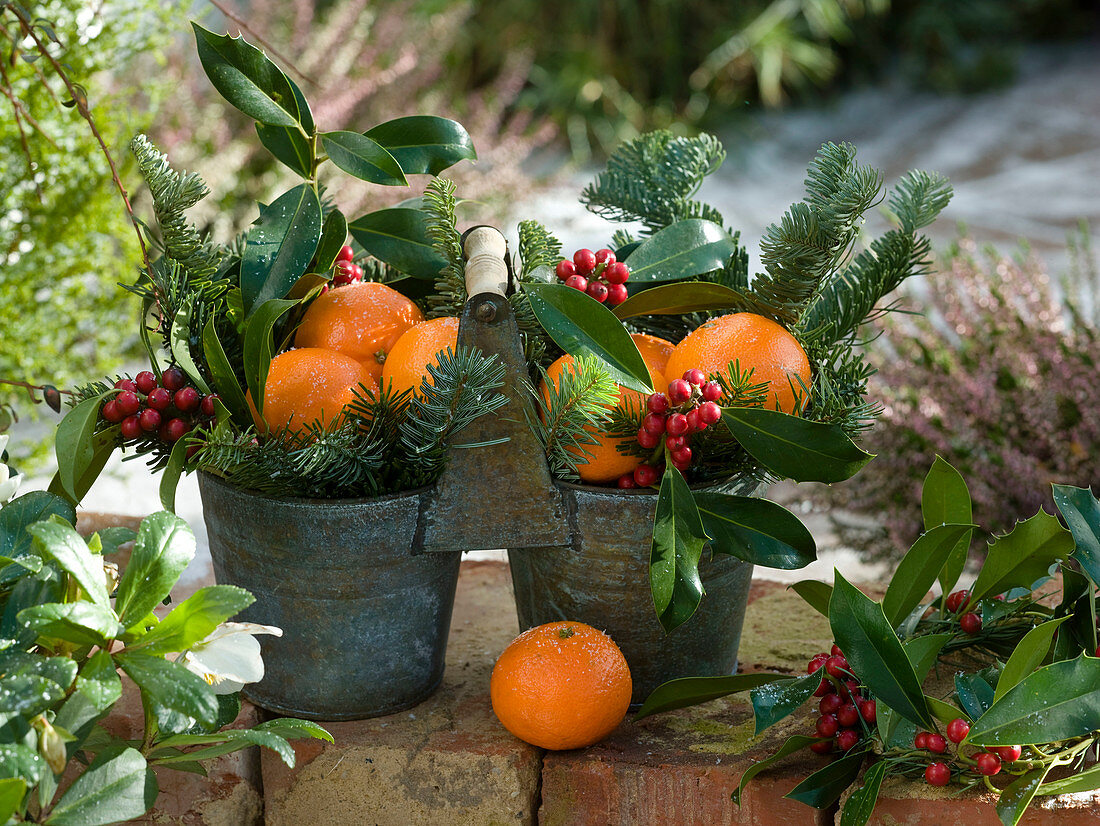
{"type": "Point", "coordinates": [8, 484]}
{"type": "Point", "coordinates": [229, 657]}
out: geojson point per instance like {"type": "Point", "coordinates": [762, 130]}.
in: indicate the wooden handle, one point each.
{"type": "Point", "coordinates": [486, 271]}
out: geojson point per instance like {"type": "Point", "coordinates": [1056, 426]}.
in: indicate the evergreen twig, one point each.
{"type": "Point", "coordinates": [450, 287]}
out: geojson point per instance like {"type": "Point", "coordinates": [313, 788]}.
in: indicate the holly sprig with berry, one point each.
{"type": "Point", "coordinates": [993, 687]}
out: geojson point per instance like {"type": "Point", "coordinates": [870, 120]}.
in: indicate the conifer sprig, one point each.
{"type": "Point", "coordinates": [450, 287]}
{"type": "Point", "coordinates": [537, 247]}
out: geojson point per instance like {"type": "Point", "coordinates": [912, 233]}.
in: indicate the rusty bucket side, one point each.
{"type": "Point", "coordinates": [602, 579]}
{"type": "Point", "coordinates": [364, 620]}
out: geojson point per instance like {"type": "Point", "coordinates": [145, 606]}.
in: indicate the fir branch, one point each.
{"type": "Point", "coordinates": [839, 387]}
{"type": "Point", "coordinates": [537, 247]}
{"type": "Point", "coordinates": [738, 388]}
{"type": "Point", "coordinates": [450, 288]}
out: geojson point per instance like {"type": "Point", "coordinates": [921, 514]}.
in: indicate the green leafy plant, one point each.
{"type": "Point", "coordinates": [686, 268]}
{"type": "Point", "coordinates": [72, 620]}
{"type": "Point", "coordinates": [1023, 701]}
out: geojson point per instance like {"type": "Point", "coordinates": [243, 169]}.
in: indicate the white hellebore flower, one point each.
{"type": "Point", "coordinates": [229, 657]}
{"type": "Point", "coordinates": [8, 484]}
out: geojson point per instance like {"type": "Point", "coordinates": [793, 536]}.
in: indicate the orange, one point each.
{"type": "Point", "coordinates": [408, 361]}
{"type": "Point", "coordinates": [363, 321]}
{"type": "Point", "coordinates": [309, 385]}
{"type": "Point", "coordinates": [563, 685]}
{"type": "Point", "coordinates": [654, 350]}
{"type": "Point", "coordinates": [758, 344]}
{"type": "Point", "coordinates": [606, 463]}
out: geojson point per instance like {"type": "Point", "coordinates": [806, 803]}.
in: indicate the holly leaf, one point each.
{"type": "Point", "coordinates": [919, 569]}
{"type": "Point", "coordinates": [279, 246]}
{"type": "Point", "coordinates": [362, 157]}
{"type": "Point", "coordinates": [683, 249]}
{"type": "Point", "coordinates": [678, 540]}
{"type": "Point", "coordinates": [776, 700]}
{"type": "Point", "coordinates": [755, 530]}
{"type": "Point", "coordinates": [424, 144]}
{"type": "Point", "coordinates": [945, 500]}
{"type": "Point", "coordinates": [691, 691]}
{"type": "Point", "coordinates": [1081, 510]}
{"type": "Point", "coordinates": [680, 298]}
{"type": "Point", "coordinates": [1023, 556]}
{"type": "Point", "coordinates": [399, 237]}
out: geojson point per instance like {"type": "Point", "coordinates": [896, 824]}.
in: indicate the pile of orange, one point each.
{"type": "Point", "coordinates": [563, 685]}
{"type": "Point", "coordinates": [363, 334]}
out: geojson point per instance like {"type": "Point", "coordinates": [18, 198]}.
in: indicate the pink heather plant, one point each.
{"type": "Point", "coordinates": [997, 377]}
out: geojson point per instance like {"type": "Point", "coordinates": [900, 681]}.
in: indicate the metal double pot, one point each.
{"type": "Point", "coordinates": [363, 588]}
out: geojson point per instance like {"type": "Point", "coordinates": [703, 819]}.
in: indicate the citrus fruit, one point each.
{"type": "Point", "coordinates": [309, 385]}
{"type": "Point", "coordinates": [363, 321]}
{"type": "Point", "coordinates": [758, 344]}
{"type": "Point", "coordinates": [563, 685]}
{"type": "Point", "coordinates": [654, 350]}
{"type": "Point", "coordinates": [407, 363]}
{"type": "Point", "coordinates": [607, 464]}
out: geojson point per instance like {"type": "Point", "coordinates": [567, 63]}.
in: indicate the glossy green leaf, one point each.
{"type": "Point", "coordinates": [170, 475]}
{"type": "Point", "coordinates": [793, 447]}
{"type": "Point", "coordinates": [12, 790]}
{"type": "Point", "coordinates": [942, 711]}
{"type": "Point", "coordinates": [164, 547]}
{"type": "Point", "coordinates": [424, 144]}
{"type": "Point", "coordinates": [244, 76]}
{"type": "Point", "coordinates": [755, 530]}
{"type": "Point", "coordinates": [861, 803]}
{"type": "Point", "coordinates": [35, 506]}
{"type": "Point", "coordinates": [60, 670]}
{"type": "Point", "coordinates": [691, 691]}
{"type": "Point", "coordinates": [923, 652]}
{"type": "Point", "coordinates": [1081, 510]}
{"type": "Point", "coordinates": [362, 157]}
{"type": "Point", "coordinates": [919, 569]}
{"type": "Point", "coordinates": [1017, 795]}
{"type": "Point", "coordinates": [861, 630]}
{"type": "Point", "coordinates": [334, 234]}
{"type": "Point", "coordinates": [259, 346]}
{"type": "Point", "coordinates": [170, 685]}
{"type": "Point", "coordinates": [75, 446]}
{"type": "Point", "coordinates": [777, 700]}
{"type": "Point", "coordinates": [113, 538]}
{"type": "Point", "coordinates": [894, 730]}
{"type": "Point", "coordinates": [582, 326]}
{"type": "Point", "coordinates": [684, 297]}
{"type": "Point", "coordinates": [180, 341]}
{"type": "Point", "coordinates": [195, 618]}
{"type": "Point", "coordinates": [225, 381]}
{"type": "Point", "coordinates": [1028, 655]}
{"type": "Point", "coordinates": [794, 743]}
{"type": "Point", "coordinates": [945, 500]}
{"type": "Point", "coordinates": [80, 623]}
{"type": "Point", "coordinates": [1022, 556]}
{"type": "Point", "coordinates": [117, 786]}
{"type": "Point", "coordinates": [1057, 702]}
{"type": "Point", "coordinates": [98, 680]}
{"type": "Point", "coordinates": [824, 787]}
{"type": "Point", "coordinates": [229, 741]}
{"type": "Point", "coordinates": [59, 541]}
{"type": "Point", "coordinates": [279, 246]}
{"type": "Point", "coordinates": [684, 249]}
{"type": "Point", "coordinates": [816, 594]}
{"type": "Point", "coordinates": [28, 694]}
{"type": "Point", "coordinates": [289, 146]}
{"type": "Point", "coordinates": [399, 237]}
{"type": "Point", "coordinates": [974, 693]}
{"type": "Point", "coordinates": [1086, 781]}
{"type": "Point", "coordinates": [678, 540]}
{"type": "Point", "coordinates": [293, 729]}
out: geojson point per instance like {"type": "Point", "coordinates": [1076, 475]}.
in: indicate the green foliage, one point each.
{"type": "Point", "coordinates": [450, 287]}
{"type": "Point", "coordinates": [63, 646]}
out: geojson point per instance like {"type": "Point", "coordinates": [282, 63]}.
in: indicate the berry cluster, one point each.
{"type": "Point", "coordinates": [987, 762]}
{"type": "Point", "coordinates": [168, 407]}
{"type": "Point", "coordinates": [958, 602]}
{"type": "Point", "coordinates": [845, 711]}
{"type": "Point", "coordinates": [347, 272]}
{"type": "Point", "coordinates": [596, 273]}
{"type": "Point", "coordinates": [689, 406]}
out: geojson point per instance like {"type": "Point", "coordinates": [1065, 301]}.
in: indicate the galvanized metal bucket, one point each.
{"type": "Point", "coordinates": [602, 579]}
{"type": "Point", "coordinates": [364, 619]}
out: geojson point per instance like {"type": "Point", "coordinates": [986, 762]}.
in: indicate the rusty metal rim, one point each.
{"type": "Point", "coordinates": [218, 481]}
{"type": "Point", "coordinates": [611, 491]}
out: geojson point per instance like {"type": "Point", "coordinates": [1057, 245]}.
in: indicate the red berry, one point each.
{"type": "Point", "coordinates": [577, 282]}
{"type": "Point", "coordinates": [605, 256]}
{"type": "Point", "coordinates": [149, 419]}
{"type": "Point", "coordinates": [821, 746]}
{"type": "Point", "coordinates": [830, 704]}
{"type": "Point", "coordinates": [921, 740]}
{"type": "Point", "coordinates": [824, 688]}
{"type": "Point", "coordinates": [174, 430]}
{"type": "Point", "coordinates": [111, 412]}
{"type": "Point", "coordinates": [835, 651]}
{"type": "Point", "coordinates": [827, 725]}
{"type": "Point", "coordinates": [207, 407]}
{"type": "Point", "coordinates": [126, 384]}
{"type": "Point", "coordinates": [187, 399]}
{"type": "Point", "coordinates": [695, 376]}
{"type": "Point", "coordinates": [937, 774]}
{"type": "Point", "coordinates": [584, 261]}
{"type": "Point", "coordinates": [674, 443]}
{"type": "Point", "coordinates": [356, 273]}
{"type": "Point", "coordinates": [173, 379]}
{"type": "Point", "coordinates": [956, 600]}
{"type": "Point", "coordinates": [679, 391]}
{"type": "Point", "coordinates": [597, 290]}
{"type": "Point", "coordinates": [816, 662]}
{"type": "Point", "coordinates": [657, 403]}
{"type": "Point", "coordinates": [617, 294]}
{"type": "Point", "coordinates": [712, 391]}
{"type": "Point", "coordinates": [848, 715]}
{"type": "Point", "coordinates": [695, 421]}
{"type": "Point", "coordinates": [131, 427]}
{"type": "Point", "coordinates": [344, 274]}
{"type": "Point", "coordinates": [847, 739]}
{"type": "Point", "coordinates": [971, 623]}
{"type": "Point", "coordinates": [988, 764]}
{"type": "Point", "coordinates": [647, 440]}
{"type": "Point", "coordinates": [851, 687]}
{"type": "Point", "coordinates": [128, 402]}
{"type": "Point", "coordinates": [564, 269]}
{"type": "Point", "coordinates": [626, 481]}
{"type": "Point", "coordinates": [681, 456]}
{"type": "Point", "coordinates": [710, 413]}
{"type": "Point", "coordinates": [957, 730]}
{"type": "Point", "coordinates": [936, 743]}
{"type": "Point", "coordinates": [346, 253]}
{"type": "Point", "coordinates": [677, 425]}
{"type": "Point", "coordinates": [654, 423]}
{"type": "Point", "coordinates": [836, 666]}
{"type": "Point", "coordinates": [159, 399]}
{"type": "Point", "coordinates": [868, 710]}
{"type": "Point", "coordinates": [1096, 653]}
{"type": "Point", "coordinates": [1008, 754]}
{"type": "Point", "coordinates": [618, 273]}
{"type": "Point", "coordinates": [681, 466]}
{"type": "Point", "coordinates": [146, 381]}
{"type": "Point", "coordinates": [645, 476]}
